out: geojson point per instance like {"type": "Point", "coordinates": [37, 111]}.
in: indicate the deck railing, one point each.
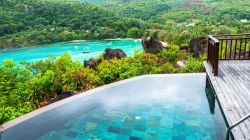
{"type": "Point", "coordinates": [227, 47]}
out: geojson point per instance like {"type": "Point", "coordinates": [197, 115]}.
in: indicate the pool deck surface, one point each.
{"type": "Point", "coordinates": [232, 87]}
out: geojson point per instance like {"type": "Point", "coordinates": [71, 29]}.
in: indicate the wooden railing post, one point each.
{"type": "Point", "coordinates": [216, 58]}
{"type": "Point", "coordinates": [213, 54]}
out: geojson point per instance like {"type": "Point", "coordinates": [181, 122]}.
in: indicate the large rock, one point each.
{"type": "Point", "coordinates": [113, 53]}
{"type": "Point", "coordinates": [197, 47]}
{"type": "Point", "coordinates": [66, 94]}
{"type": "Point", "coordinates": [108, 54]}
{"type": "Point", "coordinates": [151, 46]}
{"type": "Point", "coordinates": [92, 63]}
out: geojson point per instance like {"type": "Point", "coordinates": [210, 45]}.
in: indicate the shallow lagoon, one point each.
{"type": "Point", "coordinates": [79, 50]}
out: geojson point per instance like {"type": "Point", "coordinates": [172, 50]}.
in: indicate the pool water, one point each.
{"type": "Point", "coordinates": [156, 107]}
{"type": "Point", "coordinates": [79, 50]}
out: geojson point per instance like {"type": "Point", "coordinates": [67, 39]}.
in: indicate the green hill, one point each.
{"type": "Point", "coordinates": [143, 9]}
{"type": "Point", "coordinates": [31, 22]}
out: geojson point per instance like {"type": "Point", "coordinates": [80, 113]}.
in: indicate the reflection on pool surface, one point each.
{"type": "Point", "coordinates": [156, 107]}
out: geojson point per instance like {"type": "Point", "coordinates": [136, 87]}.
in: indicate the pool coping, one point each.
{"type": "Point", "coordinates": [34, 113]}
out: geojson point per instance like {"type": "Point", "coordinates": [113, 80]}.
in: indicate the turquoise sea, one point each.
{"type": "Point", "coordinates": [79, 50]}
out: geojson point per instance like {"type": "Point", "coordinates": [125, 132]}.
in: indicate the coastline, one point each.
{"type": "Point", "coordinates": [11, 49]}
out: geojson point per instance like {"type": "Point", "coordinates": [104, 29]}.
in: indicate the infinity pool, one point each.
{"type": "Point", "coordinates": [152, 107]}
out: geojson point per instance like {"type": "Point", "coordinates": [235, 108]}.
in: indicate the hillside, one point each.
{"type": "Point", "coordinates": [27, 22]}
{"type": "Point", "coordinates": [143, 9]}
{"type": "Point", "coordinates": [36, 22]}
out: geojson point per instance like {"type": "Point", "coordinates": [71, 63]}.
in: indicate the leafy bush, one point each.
{"type": "Point", "coordinates": [148, 61]}
{"type": "Point", "coordinates": [60, 75]}
{"type": "Point", "coordinates": [115, 69]}
{"type": "Point", "coordinates": [165, 68]}
{"type": "Point", "coordinates": [131, 67]}
{"type": "Point", "coordinates": [192, 66]}
{"type": "Point", "coordinates": [42, 85]}
{"type": "Point", "coordinates": [8, 113]}
{"type": "Point", "coordinates": [170, 55]}
{"type": "Point", "coordinates": [14, 91]}
{"type": "Point", "coordinates": [80, 79]}
{"type": "Point", "coordinates": [108, 70]}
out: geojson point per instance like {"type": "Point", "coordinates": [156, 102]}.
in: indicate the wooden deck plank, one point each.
{"type": "Point", "coordinates": [232, 87]}
{"type": "Point", "coordinates": [234, 106]}
{"type": "Point", "coordinates": [242, 92]}
{"type": "Point", "coordinates": [235, 92]}
{"type": "Point", "coordinates": [239, 102]}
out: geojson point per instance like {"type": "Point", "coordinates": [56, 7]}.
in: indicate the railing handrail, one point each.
{"type": "Point", "coordinates": [241, 38]}
{"type": "Point", "coordinates": [215, 40]}
{"type": "Point", "coordinates": [242, 34]}
{"type": "Point", "coordinates": [236, 124]}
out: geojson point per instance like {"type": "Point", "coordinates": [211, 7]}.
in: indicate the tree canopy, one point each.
{"type": "Point", "coordinates": [28, 22]}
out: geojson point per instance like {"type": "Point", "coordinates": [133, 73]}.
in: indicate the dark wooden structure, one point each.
{"type": "Point", "coordinates": [227, 47]}
{"type": "Point", "coordinates": [228, 68]}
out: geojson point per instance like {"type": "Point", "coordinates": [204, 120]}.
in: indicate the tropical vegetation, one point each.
{"type": "Point", "coordinates": [25, 87]}
{"type": "Point", "coordinates": [28, 22]}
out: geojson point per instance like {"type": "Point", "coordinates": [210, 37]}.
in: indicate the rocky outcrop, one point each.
{"type": "Point", "coordinates": [197, 47]}
{"type": "Point", "coordinates": [66, 94]}
{"type": "Point", "coordinates": [151, 45]}
{"type": "Point", "coordinates": [108, 54]}
{"type": "Point", "coordinates": [113, 53]}
{"type": "Point", "coordinates": [92, 63]}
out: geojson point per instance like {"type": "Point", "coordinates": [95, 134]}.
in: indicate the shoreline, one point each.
{"type": "Point", "coordinates": [11, 49]}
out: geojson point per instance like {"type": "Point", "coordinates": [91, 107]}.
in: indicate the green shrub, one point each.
{"type": "Point", "coordinates": [59, 75]}
{"type": "Point", "coordinates": [80, 79]}
{"type": "Point", "coordinates": [192, 66]}
{"type": "Point", "coordinates": [8, 113]}
{"type": "Point", "coordinates": [41, 66]}
{"type": "Point", "coordinates": [42, 85]}
{"type": "Point", "coordinates": [115, 69]}
{"type": "Point", "coordinates": [109, 70]}
{"type": "Point", "coordinates": [165, 68]}
{"type": "Point", "coordinates": [137, 52]}
{"type": "Point", "coordinates": [131, 67]}
{"type": "Point", "coordinates": [148, 61]}
{"type": "Point", "coordinates": [170, 55]}
{"type": "Point", "coordinates": [15, 95]}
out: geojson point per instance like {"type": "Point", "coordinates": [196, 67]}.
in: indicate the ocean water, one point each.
{"type": "Point", "coordinates": [79, 50]}
{"type": "Point", "coordinates": [165, 107]}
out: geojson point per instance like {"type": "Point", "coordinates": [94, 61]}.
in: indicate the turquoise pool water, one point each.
{"type": "Point", "coordinates": [158, 107]}
{"type": "Point", "coordinates": [79, 50]}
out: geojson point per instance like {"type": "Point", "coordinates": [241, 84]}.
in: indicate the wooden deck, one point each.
{"type": "Point", "coordinates": [232, 87]}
